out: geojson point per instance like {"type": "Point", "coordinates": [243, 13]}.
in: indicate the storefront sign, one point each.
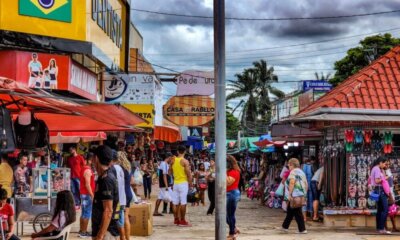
{"type": "Point", "coordinates": [316, 85]}
{"type": "Point", "coordinates": [132, 88]}
{"type": "Point", "coordinates": [189, 110]}
{"type": "Point", "coordinates": [53, 18]}
{"type": "Point", "coordinates": [145, 111]}
{"type": "Point", "coordinates": [57, 10]}
{"type": "Point", "coordinates": [195, 83]}
{"type": "Point", "coordinates": [83, 82]}
{"type": "Point", "coordinates": [48, 71]}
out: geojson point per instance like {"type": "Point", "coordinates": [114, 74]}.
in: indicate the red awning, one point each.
{"type": "Point", "coordinates": [267, 143]}
{"type": "Point", "coordinates": [66, 114]}
{"type": "Point", "coordinates": [75, 137]}
{"type": "Point", "coordinates": [167, 134]}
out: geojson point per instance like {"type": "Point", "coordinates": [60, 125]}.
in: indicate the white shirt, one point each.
{"type": "Point", "coordinates": [317, 174]}
{"type": "Point", "coordinates": [121, 184]}
{"type": "Point", "coordinates": [164, 167]}
{"type": "Point", "coordinates": [59, 221]}
{"type": "Point", "coordinates": [206, 165]}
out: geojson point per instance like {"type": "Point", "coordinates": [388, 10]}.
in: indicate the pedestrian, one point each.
{"type": "Point", "coordinates": [377, 177]}
{"type": "Point", "coordinates": [390, 179]}
{"type": "Point", "coordinates": [87, 188]}
{"type": "Point", "coordinates": [201, 182]}
{"type": "Point", "coordinates": [308, 171]}
{"type": "Point", "coordinates": [232, 194]}
{"type": "Point", "coordinates": [295, 187]}
{"type": "Point", "coordinates": [211, 187]}
{"type": "Point", "coordinates": [128, 180]}
{"type": "Point", "coordinates": [119, 173]}
{"type": "Point", "coordinates": [7, 215]}
{"type": "Point", "coordinates": [21, 176]}
{"type": "Point", "coordinates": [104, 225]}
{"type": "Point", "coordinates": [316, 186]}
{"type": "Point", "coordinates": [164, 182]}
{"type": "Point", "coordinates": [75, 162]}
{"type": "Point", "coordinates": [207, 164]}
{"type": "Point", "coordinates": [64, 215]}
{"type": "Point", "coordinates": [147, 169]}
{"type": "Point", "coordinates": [180, 170]}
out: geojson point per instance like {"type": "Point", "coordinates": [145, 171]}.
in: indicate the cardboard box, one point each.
{"type": "Point", "coordinates": [141, 219]}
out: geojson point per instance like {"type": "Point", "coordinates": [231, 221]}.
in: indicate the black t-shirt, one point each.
{"type": "Point", "coordinates": [106, 189]}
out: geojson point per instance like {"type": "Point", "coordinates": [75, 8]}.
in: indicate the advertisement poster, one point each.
{"type": "Point", "coordinates": [145, 111]}
{"type": "Point", "coordinates": [195, 83]}
{"type": "Point", "coordinates": [132, 88]}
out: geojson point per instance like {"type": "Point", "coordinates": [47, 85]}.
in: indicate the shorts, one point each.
{"type": "Point", "coordinates": [314, 191]}
{"type": "Point", "coordinates": [180, 193]}
{"type": "Point", "coordinates": [87, 204]}
{"type": "Point", "coordinates": [121, 219]}
{"type": "Point", "coordinates": [162, 193]}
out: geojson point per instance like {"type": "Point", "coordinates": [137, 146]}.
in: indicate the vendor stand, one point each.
{"type": "Point", "coordinates": [57, 113]}
{"type": "Point", "coordinates": [360, 120]}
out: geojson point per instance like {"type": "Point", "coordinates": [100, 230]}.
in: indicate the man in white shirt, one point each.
{"type": "Point", "coordinates": [164, 183]}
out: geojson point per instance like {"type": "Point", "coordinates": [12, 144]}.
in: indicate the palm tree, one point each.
{"type": "Point", "coordinates": [322, 77]}
{"type": "Point", "coordinates": [265, 79]}
{"type": "Point", "coordinates": [245, 87]}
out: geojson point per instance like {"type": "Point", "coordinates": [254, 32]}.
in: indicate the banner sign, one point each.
{"type": "Point", "coordinates": [48, 71]}
{"type": "Point", "coordinates": [145, 111]}
{"type": "Point", "coordinates": [189, 110]}
{"type": "Point", "coordinates": [132, 88]}
{"type": "Point", "coordinates": [195, 83]}
{"type": "Point", "coordinates": [316, 85]}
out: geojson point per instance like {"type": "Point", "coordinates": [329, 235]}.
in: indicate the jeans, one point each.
{"type": "Point", "coordinates": [211, 197]}
{"type": "Point", "coordinates": [298, 215]}
{"type": "Point", "coordinates": [75, 189]}
{"type": "Point", "coordinates": [382, 210]}
{"type": "Point", "coordinates": [232, 199]}
{"type": "Point", "coordinates": [147, 186]}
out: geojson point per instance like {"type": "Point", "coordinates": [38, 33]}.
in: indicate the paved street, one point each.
{"type": "Point", "coordinates": [256, 223]}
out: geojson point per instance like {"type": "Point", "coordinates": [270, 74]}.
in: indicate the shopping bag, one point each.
{"type": "Point", "coordinates": [138, 177]}
{"type": "Point", "coordinates": [167, 196]}
{"type": "Point", "coordinates": [279, 190]}
{"type": "Point", "coordinates": [284, 206]}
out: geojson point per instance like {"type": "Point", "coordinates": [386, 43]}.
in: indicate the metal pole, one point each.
{"type": "Point", "coordinates": [220, 119]}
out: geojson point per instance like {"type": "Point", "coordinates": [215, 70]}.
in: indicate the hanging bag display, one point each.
{"type": "Point", "coordinates": [7, 137]}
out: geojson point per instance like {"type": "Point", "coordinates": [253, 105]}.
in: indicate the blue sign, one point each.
{"type": "Point", "coordinates": [317, 85]}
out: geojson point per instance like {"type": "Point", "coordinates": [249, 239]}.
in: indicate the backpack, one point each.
{"type": "Point", "coordinates": [7, 135]}
{"type": "Point", "coordinates": [34, 135]}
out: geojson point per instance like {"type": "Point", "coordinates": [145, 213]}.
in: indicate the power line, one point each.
{"type": "Point", "coordinates": [267, 19]}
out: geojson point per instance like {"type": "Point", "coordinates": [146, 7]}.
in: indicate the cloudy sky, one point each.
{"type": "Point", "coordinates": [187, 43]}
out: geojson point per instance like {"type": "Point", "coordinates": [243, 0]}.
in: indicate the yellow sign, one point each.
{"type": "Point", "coordinates": [106, 29]}
{"type": "Point", "coordinates": [64, 19]}
{"type": "Point", "coordinates": [145, 111]}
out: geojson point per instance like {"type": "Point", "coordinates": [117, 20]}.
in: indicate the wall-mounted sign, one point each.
{"type": "Point", "coordinates": [48, 71]}
{"type": "Point", "coordinates": [195, 83]}
{"type": "Point", "coordinates": [132, 88]}
{"type": "Point", "coordinates": [55, 18]}
{"type": "Point", "coordinates": [189, 110]}
{"type": "Point", "coordinates": [145, 111]}
{"type": "Point", "coordinates": [57, 10]}
{"type": "Point", "coordinates": [316, 85]}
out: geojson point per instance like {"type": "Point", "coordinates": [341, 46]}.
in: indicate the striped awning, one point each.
{"type": "Point", "coordinates": [189, 110]}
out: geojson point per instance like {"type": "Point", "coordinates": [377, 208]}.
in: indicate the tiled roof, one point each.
{"type": "Point", "coordinates": [377, 86]}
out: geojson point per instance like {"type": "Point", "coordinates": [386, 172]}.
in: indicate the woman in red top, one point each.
{"type": "Point", "coordinates": [7, 215]}
{"type": "Point", "coordinates": [232, 194]}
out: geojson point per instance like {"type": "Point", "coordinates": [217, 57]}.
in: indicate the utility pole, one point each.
{"type": "Point", "coordinates": [220, 119]}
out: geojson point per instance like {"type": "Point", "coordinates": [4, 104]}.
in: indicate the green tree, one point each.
{"type": "Point", "coordinates": [357, 58]}
{"type": "Point", "coordinates": [232, 126]}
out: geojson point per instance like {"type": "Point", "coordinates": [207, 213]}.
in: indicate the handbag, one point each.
{"type": "Point", "coordinates": [138, 177]}
{"type": "Point", "coordinates": [202, 186]}
{"type": "Point", "coordinates": [298, 202]}
{"type": "Point", "coordinates": [7, 137]}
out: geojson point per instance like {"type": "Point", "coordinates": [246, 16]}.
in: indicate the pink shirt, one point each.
{"type": "Point", "coordinates": [376, 173]}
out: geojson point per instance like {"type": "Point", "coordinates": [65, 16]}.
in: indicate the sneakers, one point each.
{"type": "Point", "coordinates": [303, 232]}
{"type": "Point", "coordinates": [85, 235]}
{"type": "Point", "coordinates": [184, 223]}
{"type": "Point", "coordinates": [176, 222]}
{"type": "Point", "coordinates": [284, 230]}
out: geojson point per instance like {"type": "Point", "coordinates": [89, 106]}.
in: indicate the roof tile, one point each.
{"type": "Point", "coordinates": [376, 86]}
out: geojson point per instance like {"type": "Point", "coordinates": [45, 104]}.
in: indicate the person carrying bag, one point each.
{"type": "Point", "coordinates": [295, 191]}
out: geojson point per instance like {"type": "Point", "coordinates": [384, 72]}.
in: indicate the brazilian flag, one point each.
{"type": "Point", "coordinates": [57, 10]}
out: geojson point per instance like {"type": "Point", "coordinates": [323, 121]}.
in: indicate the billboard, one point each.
{"type": "Point", "coordinates": [48, 71]}
{"type": "Point", "coordinates": [130, 88]}
{"type": "Point", "coordinates": [194, 82]}
{"type": "Point", "coordinates": [145, 111]}
{"type": "Point", "coordinates": [189, 110]}
{"type": "Point", "coordinates": [53, 18]}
